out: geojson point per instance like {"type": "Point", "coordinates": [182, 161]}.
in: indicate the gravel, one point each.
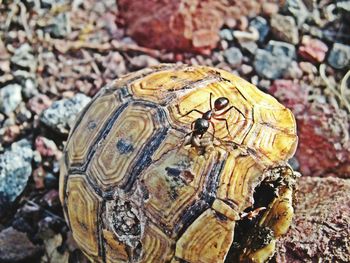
{"type": "Point", "coordinates": [260, 24]}
{"type": "Point", "coordinates": [15, 247]}
{"type": "Point", "coordinates": [233, 56]}
{"type": "Point", "coordinates": [60, 116]}
{"type": "Point", "coordinates": [15, 169]}
{"type": "Point", "coordinates": [284, 28]}
{"type": "Point", "coordinates": [339, 56]}
{"type": "Point", "coordinates": [10, 98]}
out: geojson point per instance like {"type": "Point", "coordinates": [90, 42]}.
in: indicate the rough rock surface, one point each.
{"type": "Point", "coordinates": [181, 25]}
{"type": "Point", "coordinates": [10, 98]}
{"type": "Point", "coordinates": [16, 247]}
{"type": "Point", "coordinates": [61, 114]}
{"type": "Point", "coordinates": [321, 228]}
{"type": "Point", "coordinates": [284, 28]}
{"type": "Point", "coordinates": [339, 56]}
{"type": "Point", "coordinates": [273, 61]}
{"type": "Point", "coordinates": [323, 130]}
{"type": "Point", "coordinates": [312, 49]}
{"type": "Point", "coordinates": [15, 169]}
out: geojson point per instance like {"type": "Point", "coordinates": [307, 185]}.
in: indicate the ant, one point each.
{"type": "Point", "coordinates": [201, 125]}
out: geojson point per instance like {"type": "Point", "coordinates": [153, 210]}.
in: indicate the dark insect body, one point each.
{"type": "Point", "coordinates": [201, 125]}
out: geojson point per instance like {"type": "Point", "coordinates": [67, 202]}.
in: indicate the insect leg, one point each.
{"type": "Point", "coordinates": [210, 96]}
{"type": "Point", "coordinates": [226, 123]}
{"type": "Point", "coordinates": [213, 129]}
{"type": "Point", "coordinates": [232, 107]}
{"type": "Point", "coordinates": [200, 112]}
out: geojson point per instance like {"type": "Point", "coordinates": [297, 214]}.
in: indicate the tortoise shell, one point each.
{"type": "Point", "coordinates": [133, 191]}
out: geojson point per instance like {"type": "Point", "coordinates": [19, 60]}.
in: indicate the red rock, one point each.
{"type": "Point", "coordinates": [324, 146]}
{"type": "Point", "coordinates": [181, 25]}
{"type": "Point", "coordinates": [320, 231]}
{"type": "Point", "coordinates": [291, 94]}
{"type": "Point", "coordinates": [312, 49]}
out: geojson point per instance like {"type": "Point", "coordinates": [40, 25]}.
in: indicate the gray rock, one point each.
{"type": "Point", "coordinates": [339, 56]}
{"type": "Point", "coordinates": [30, 88]}
{"type": "Point", "coordinates": [50, 3]}
{"type": "Point", "coordinates": [23, 58]}
{"type": "Point", "coordinates": [260, 24]}
{"type": "Point", "coordinates": [279, 48]}
{"type": "Point", "coordinates": [298, 10]}
{"type": "Point", "coordinates": [226, 34]}
{"type": "Point", "coordinates": [10, 98]}
{"type": "Point", "coordinates": [143, 61]}
{"type": "Point", "coordinates": [15, 169]}
{"type": "Point", "coordinates": [293, 71]}
{"type": "Point", "coordinates": [270, 66]}
{"type": "Point", "coordinates": [284, 28]}
{"type": "Point", "coordinates": [60, 116]}
{"type": "Point", "coordinates": [249, 47]}
{"type": "Point", "coordinates": [233, 56]}
{"type": "Point", "coordinates": [58, 29]}
{"type": "Point", "coordinates": [15, 247]}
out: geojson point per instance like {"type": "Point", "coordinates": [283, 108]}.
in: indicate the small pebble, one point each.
{"type": "Point", "coordinates": [260, 24]}
{"type": "Point", "coordinates": [39, 103]}
{"type": "Point", "coordinates": [58, 29]}
{"type": "Point", "coordinates": [307, 67]}
{"type": "Point", "coordinates": [284, 28]}
{"type": "Point", "coordinates": [339, 56]}
{"type": "Point", "coordinates": [23, 58]}
{"type": "Point", "coordinates": [283, 49]}
{"type": "Point", "coordinates": [226, 34]}
{"type": "Point", "coordinates": [269, 9]}
{"type": "Point", "coordinates": [10, 98]}
{"type": "Point", "coordinates": [15, 169]}
{"type": "Point", "coordinates": [50, 181]}
{"type": "Point", "coordinates": [233, 56]}
{"type": "Point", "coordinates": [60, 116]}
{"type": "Point", "coordinates": [271, 65]}
{"type": "Point", "coordinates": [249, 47]}
{"type": "Point", "coordinates": [298, 10]}
{"type": "Point", "coordinates": [46, 147]}
{"type": "Point", "coordinates": [312, 49]}
{"type": "Point", "coordinates": [143, 61]}
{"type": "Point", "coordinates": [29, 88]}
{"type": "Point", "coordinates": [245, 69]}
{"type": "Point", "coordinates": [293, 71]}
{"type": "Point", "coordinates": [264, 84]}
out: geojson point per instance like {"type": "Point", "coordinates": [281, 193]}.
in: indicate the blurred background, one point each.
{"type": "Point", "coordinates": [56, 54]}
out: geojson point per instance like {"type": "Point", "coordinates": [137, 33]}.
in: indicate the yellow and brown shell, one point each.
{"type": "Point", "coordinates": [133, 191]}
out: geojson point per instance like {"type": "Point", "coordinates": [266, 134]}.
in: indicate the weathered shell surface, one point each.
{"type": "Point", "coordinates": [132, 191]}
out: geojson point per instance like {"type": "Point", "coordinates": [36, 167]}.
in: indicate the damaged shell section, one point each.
{"type": "Point", "coordinates": [132, 192]}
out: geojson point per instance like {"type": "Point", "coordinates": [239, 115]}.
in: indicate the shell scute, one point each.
{"type": "Point", "coordinates": [118, 154]}
{"type": "Point", "coordinates": [198, 244]}
{"type": "Point", "coordinates": [89, 128]}
{"type": "Point", "coordinates": [83, 210]}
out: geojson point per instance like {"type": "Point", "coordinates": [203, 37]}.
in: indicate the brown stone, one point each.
{"type": "Point", "coordinates": [321, 231]}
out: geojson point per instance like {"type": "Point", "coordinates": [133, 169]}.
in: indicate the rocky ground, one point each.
{"type": "Point", "coordinates": [56, 54]}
